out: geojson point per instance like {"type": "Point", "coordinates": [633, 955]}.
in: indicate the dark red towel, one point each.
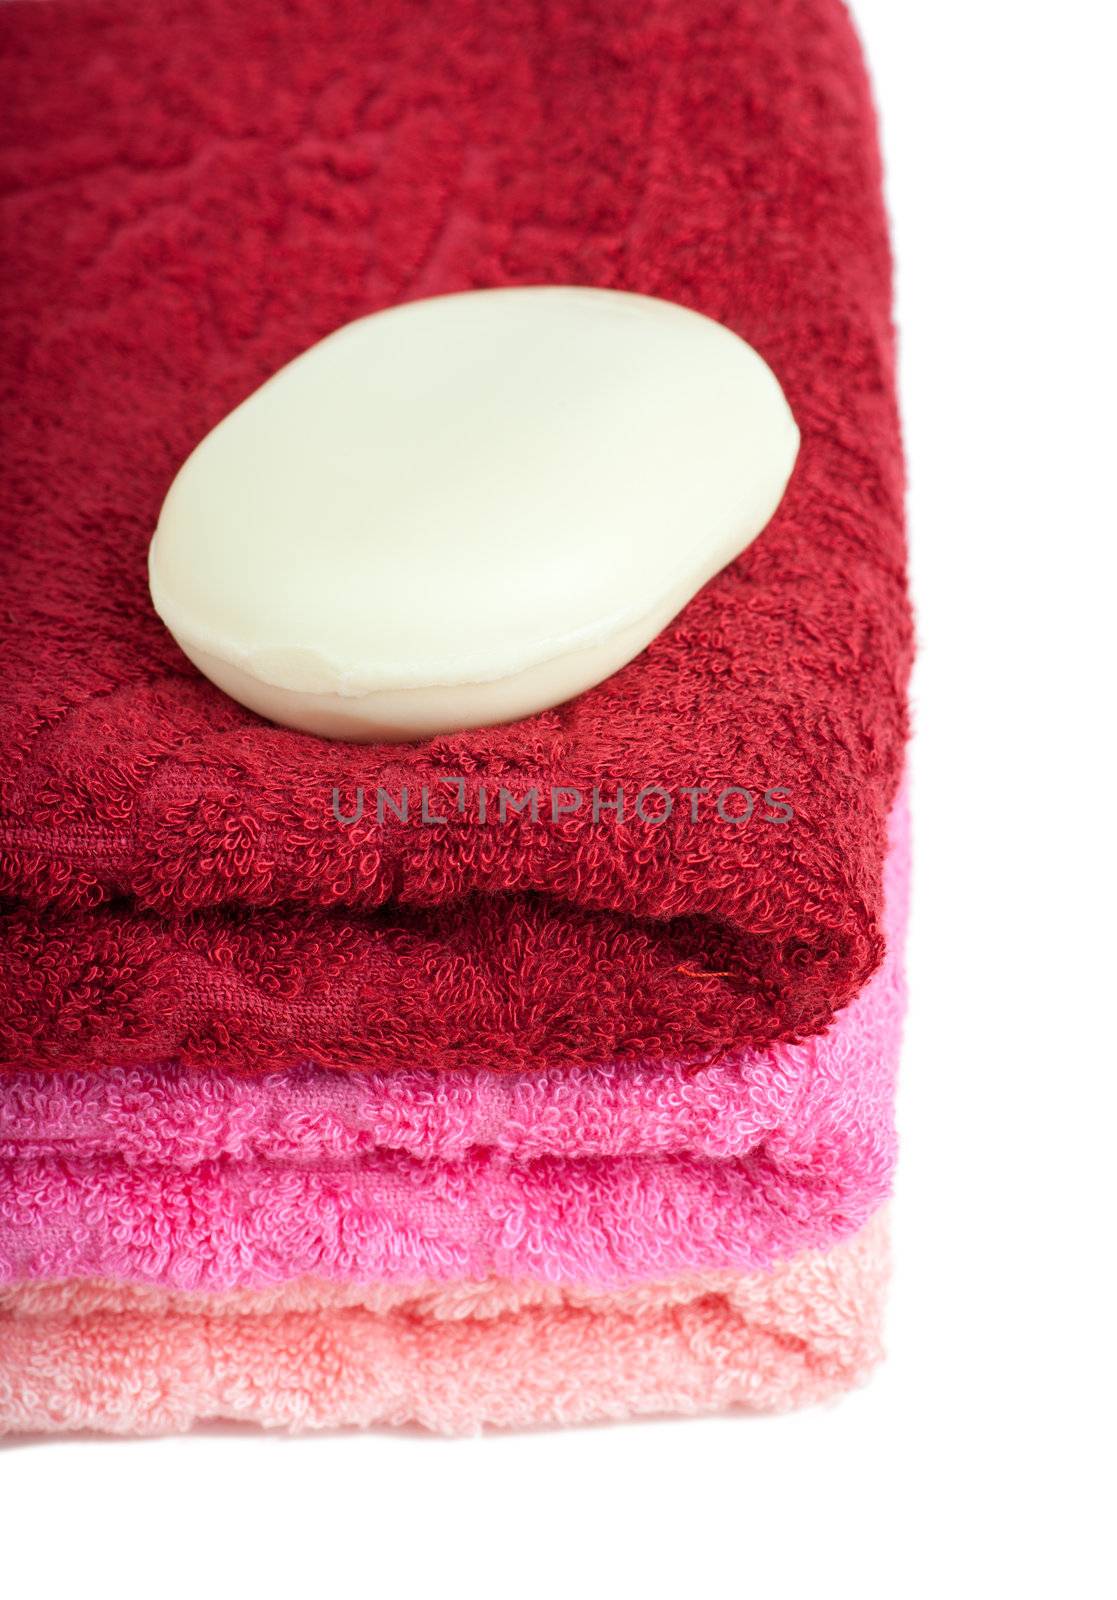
{"type": "Point", "coordinates": [195, 190]}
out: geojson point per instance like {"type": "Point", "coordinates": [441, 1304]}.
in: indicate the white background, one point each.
{"type": "Point", "coordinates": [979, 1460]}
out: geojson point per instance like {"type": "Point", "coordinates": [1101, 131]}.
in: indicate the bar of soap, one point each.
{"type": "Point", "coordinates": [466, 509]}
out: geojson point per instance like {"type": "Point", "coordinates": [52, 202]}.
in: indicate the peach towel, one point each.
{"type": "Point", "coordinates": [454, 1358]}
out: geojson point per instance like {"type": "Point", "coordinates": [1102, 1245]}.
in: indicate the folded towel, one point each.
{"type": "Point", "coordinates": [181, 886]}
{"type": "Point", "coordinates": [312, 1117]}
{"type": "Point", "coordinates": [218, 1181]}
{"type": "Point", "coordinates": [126, 1360]}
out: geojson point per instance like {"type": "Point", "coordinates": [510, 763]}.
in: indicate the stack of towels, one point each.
{"type": "Point", "coordinates": [308, 1121]}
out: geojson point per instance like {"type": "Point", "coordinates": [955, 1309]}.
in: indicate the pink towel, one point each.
{"type": "Point", "coordinates": [224, 1182]}
{"type": "Point", "coordinates": [120, 1360]}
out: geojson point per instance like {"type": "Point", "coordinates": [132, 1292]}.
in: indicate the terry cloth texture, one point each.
{"type": "Point", "coordinates": [219, 1182]}
{"type": "Point", "coordinates": [125, 1360]}
{"type": "Point", "coordinates": [195, 190]}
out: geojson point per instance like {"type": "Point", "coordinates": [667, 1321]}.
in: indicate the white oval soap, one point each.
{"type": "Point", "coordinates": [466, 509]}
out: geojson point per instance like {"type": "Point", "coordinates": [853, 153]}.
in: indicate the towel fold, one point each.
{"type": "Point", "coordinates": [126, 1360]}
{"type": "Point", "coordinates": [217, 1181]}
{"type": "Point", "coordinates": [180, 885]}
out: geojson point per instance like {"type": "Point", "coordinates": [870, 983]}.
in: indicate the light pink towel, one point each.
{"type": "Point", "coordinates": [606, 1178]}
{"type": "Point", "coordinates": [453, 1359]}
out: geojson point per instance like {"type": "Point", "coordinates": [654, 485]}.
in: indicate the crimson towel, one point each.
{"type": "Point", "coordinates": [196, 190]}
